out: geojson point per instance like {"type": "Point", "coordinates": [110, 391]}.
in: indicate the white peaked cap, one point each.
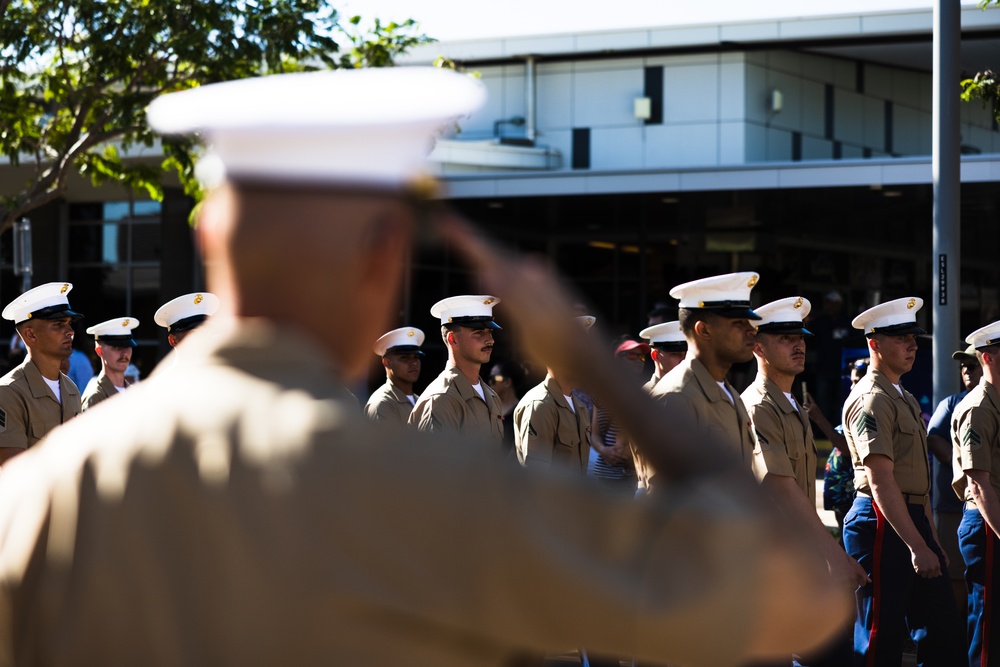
{"type": "Point", "coordinates": [667, 334]}
{"type": "Point", "coordinates": [784, 315]}
{"type": "Point", "coordinates": [115, 332]}
{"type": "Point", "coordinates": [895, 318]}
{"type": "Point", "coordinates": [984, 337]}
{"type": "Point", "coordinates": [47, 302]}
{"type": "Point", "coordinates": [355, 126]}
{"type": "Point", "coordinates": [187, 309]}
{"type": "Point", "coordinates": [728, 294]}
{"type": "Point", "coordinates": [472, 310]}
{"type": "Point", "coordinates": [409, 339]}
{"type": "Point", "coordinates": [586, 321]}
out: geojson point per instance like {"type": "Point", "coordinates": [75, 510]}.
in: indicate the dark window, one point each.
{"type": "Point", "coordinates": [859, 77]}
{"type": "Point", "coordinates": [581, 148]}
{"type": "Point", "coordinates": [838, 150]}
{"type": "Point", "coordinates": [828, 112]}
{"type": "Point", "coordinates": [867, 153]}
{"type": "Point", "coordinates": [653, 89]}
{"type": "Point", "coordinates": [888, 127]}
{"type": "Point", "coordinates": [796, 146]}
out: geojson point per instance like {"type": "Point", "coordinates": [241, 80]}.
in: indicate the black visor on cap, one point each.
{"type": "Point", "coordinates": [784, 328]}
{"type": "Point", "coordinates": [475, 322]}
{"type": "Point", "coordinates": [56, 312]}
{"type": "Point", "coordinates": [405, 349]}
{"type": "Point", "coordinates": [187, 323]}
{"type": "Point", "coordinates": [116, 341]}
{"type": "Point", "coordinates": [671, 346]}
{"type": "Point", "coordinates": [897, 330]}
{"type": "Point", "coordinates": [736, 310]}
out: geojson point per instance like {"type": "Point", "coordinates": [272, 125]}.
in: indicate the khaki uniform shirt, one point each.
{"type": "Point", "coordinates": [689, 387]}
{"type": "Point", "coordinates": [975, 437]}
{"type": "Point", "coordinates": [388, 405]}
{"type": "Point", "coordinates": [548, 433]}
{"type": "Point", "coordinates": [451, 404]}
{"type": "Point", "coordinates": [785, 443]}
{"type": "Point", "coordinates": [878, 420]}
{"type": "Point", "coordinates": [29, 409]}
{"type": "Point", "coordinates": [230, 516]}
{"type": "Point", "coordinates": [98, 389]}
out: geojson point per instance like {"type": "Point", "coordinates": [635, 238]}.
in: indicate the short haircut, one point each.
{"type": "Point", "coordinates": [989, 349]}
{"type": "Point", "coordinates": [688, 317]}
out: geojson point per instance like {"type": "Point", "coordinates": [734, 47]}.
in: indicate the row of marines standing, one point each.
{"type": "Point", "coordinates": [893, 560]}
{"type": "Point", "coordinates": [36, 396]}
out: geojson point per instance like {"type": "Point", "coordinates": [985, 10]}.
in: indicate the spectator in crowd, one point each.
{"type": "Point", "coordinates": [506, 379]}
{"type": "Point", "coordinates": [611, 457]}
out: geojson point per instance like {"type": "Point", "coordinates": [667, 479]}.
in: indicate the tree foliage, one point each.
{"type": "Point", "coordinates": [984, 86]}
{"type": "Point", "coordinates": [77, 75]}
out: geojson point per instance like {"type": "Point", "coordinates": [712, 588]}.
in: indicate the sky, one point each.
{"type": "Point", "coordinates": [450, 20]}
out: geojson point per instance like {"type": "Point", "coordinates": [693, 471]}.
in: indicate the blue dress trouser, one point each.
{"type": "Point", "coordinates": [898, 601]}
{"type": "Point", "coordinates": [979, 545]}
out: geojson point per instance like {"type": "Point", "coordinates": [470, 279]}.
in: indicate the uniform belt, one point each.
{"type": "Point", "coordinates": [908, 498]}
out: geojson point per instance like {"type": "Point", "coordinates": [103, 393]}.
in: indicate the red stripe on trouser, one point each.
{"type": "Point", "coordinates": [876, 584]}
{"type": "Point", "coordinates": [987, 597]}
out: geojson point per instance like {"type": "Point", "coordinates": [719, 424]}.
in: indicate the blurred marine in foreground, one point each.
{"type": "Point", "coordinates": [240, 512]}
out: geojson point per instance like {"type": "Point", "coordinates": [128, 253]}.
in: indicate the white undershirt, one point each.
{"type": "Point", "coordinates": [413, 399]}
{"type": "Point", "coordinates": [898, 388]}
{"type": "Point", "coordinates": [791, 399]}
{"type": "Point", "coordinates": [120, 389]}
{"type": "Point", "coordinates": [54, 386]}
{"type": "Point", "coordinates": [569, 399]}
{"type": "Point", "coordinates": [479, 390]}
{"type": "Point", "coordinates": [722, 386]}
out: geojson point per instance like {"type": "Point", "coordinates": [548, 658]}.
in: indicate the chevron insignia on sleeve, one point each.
{"type": "Point", "coordinates": [865, 423]}
{"type": "Point", "coordinates": [971, 440]}
{"type": "Point", "coordinates": [3, 420]}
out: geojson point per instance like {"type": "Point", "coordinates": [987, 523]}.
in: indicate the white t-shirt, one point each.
{"type": "Point", "coordinates": [413, 399]}
{"type": "Point", "coordinates": [791, 399]}
{"type": "Point", "coordinates": [569, 399]}
{"type": "Point", "coordinates": [479, 390]}
{"type": "Point", "coordinates": [898, 388]}
{"type": "Point", "coordinates": [722, 386]}
{"type": "Point", "coordinates": [120, 389]}
{"type": "Point", "coordinates": [54, 386]}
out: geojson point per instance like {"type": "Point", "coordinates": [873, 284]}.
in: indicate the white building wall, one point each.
{"type": "Point", "coordinates": [717, 110]}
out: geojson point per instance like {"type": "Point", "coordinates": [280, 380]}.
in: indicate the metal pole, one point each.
{"type": "Point", "coordinates": [945, 168]}
{"type": "Point", "coordinates": [529, 98]}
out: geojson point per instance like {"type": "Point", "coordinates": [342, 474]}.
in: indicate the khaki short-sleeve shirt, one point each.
{"type": "Point", "coordinates": [388, 405]}
{"type": "Point", "coordinates": [29, 409]}
{"type": "Point", "coordinates": [99, 389]}
{"type": "Point", "coordinates": [879, 420]}
{"type": "Point", "coordinates": [548, 433]}
{"type": "Point", "coordinates": [975, 437]}
{"type": "Point", "coordinates": [451, 404]}
{"type": "Point", "coordinates": [785, 442]}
